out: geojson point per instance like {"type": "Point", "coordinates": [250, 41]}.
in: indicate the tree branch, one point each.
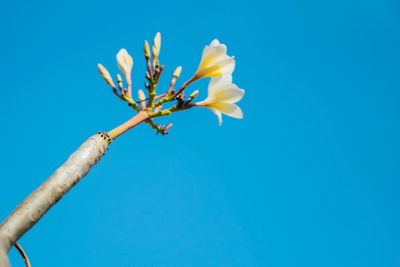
{"type": "Point", "coordinates": [35, 206]}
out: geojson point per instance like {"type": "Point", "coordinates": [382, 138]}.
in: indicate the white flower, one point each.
{"type": "Point", "coordinates": [222, 94]}
{"type": "Point", "coordinates": [215, 62]}
{"type": "Point", "coordinates": [125, 63]}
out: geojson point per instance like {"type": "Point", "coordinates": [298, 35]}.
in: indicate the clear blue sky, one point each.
{"type": "Point", "coordinates": [309, 177]}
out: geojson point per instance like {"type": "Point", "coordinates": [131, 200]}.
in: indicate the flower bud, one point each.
{"type": "Point", "coordinates": [146, 50]}
{"type": "Point", "coordinates": [148, 77]}
{"type": "Point", "coordinates": [125, 63]}
{"type": "Point", "coordinates": [119, 78]}
{"type": "Point", "coordinates": [142, 98]}
{"type": "Point", "coordinates": [105, 75]}
{"type": "Point", "coordinates": [119, 81]}
{"type": "Point", "coordinates": [168, 126]}
{"type": "Point", "coordinates": [156, 46]}
{"type": "Point", "coordinates": [177, 72]}
{"type": "Point", "coordinates": [193, 95]}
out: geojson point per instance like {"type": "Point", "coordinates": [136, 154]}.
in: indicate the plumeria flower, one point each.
{"type": "Point", "coordinates": [125, 63]}
{"type": "Point", "coordinates": [222, 94]}
{"type": "Point", "coordinates": [214, 61]}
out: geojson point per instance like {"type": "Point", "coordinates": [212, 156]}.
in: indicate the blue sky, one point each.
{"type": "Point", "coordinates": [309, 177]}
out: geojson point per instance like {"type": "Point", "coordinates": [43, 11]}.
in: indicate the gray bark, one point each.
{"type": "Point", "coordinates": [32, 209]}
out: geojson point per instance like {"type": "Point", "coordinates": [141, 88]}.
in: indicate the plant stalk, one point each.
{"type": "Point", "coordinates": [78, 165]}
{"type": "Point", "coordinates": [35, 206]}
{"type": "Point", "coordinates": [140, 117]}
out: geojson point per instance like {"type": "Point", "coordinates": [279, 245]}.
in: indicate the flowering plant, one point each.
{"type": "Point", "coordinates": [214, 63]}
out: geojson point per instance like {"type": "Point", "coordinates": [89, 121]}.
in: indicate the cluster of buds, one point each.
{"type": "Point", "coordinates": [215, 63]}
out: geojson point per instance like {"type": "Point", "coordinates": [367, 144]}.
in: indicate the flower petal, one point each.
{"type": "Point", "coordinates": [212, 54]}
{"type": "Point", "coordinates": [229, 94]}
{"type": "Point", "coordinates": [214, 42]}
{"type": "Point", "coordinates": [218, 82]}
{"type": "Point", "coordinates": [228, 109]}
{"type": "Point", "coordinates": [219, 115]}
{"type": "Point", "coordinates": [221, 67]}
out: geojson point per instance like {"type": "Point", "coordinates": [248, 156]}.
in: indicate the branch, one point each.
{"type": "Point", "coordinates": [35, 206]}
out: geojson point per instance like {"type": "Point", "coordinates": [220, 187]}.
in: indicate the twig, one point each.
{"type": "Point", "coordinates": [183, 87]}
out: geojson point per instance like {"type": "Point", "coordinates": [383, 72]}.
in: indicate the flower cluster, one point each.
{"type": "Point", "coordinates": [215, 64]}
{"type": "Point", "coordinates": [222, 93]}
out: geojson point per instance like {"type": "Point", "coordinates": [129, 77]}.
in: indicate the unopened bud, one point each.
{"type": "Point", "coordinates": [120, 85]}
{"type": "Point", "coordinates": [146, 50]}
{"type": "Point", "coordinates": [177, 72]}
{"type": "Point", "coordinates": [142, 98]}
{"type": "Point", "coordinates": [148, 77]}
{"type": "Point", "coordinates": [125, 63]}
{"type": "Point", "coordinates": [156, 45]}
{"type": "Point", "coordinates": [119, 78]}
{"type": "Point", "coordinates": [168, 126]}
{"type": "Point", "coordinates": [105, 75]}
{"type": "Point", "coordinates": [193, 95]}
